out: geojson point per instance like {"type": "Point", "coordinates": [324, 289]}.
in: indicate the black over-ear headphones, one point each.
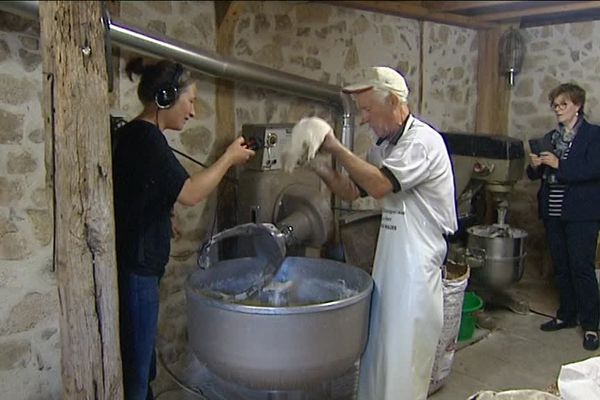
{"type": "Point", "coordinates": [166, 96]}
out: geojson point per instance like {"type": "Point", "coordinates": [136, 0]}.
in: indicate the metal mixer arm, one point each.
{"type": "Point", "coordinates": [272, 245]}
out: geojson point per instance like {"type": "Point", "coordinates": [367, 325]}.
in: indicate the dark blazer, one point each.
{"type": "Point", "coordinates": [581, 172]}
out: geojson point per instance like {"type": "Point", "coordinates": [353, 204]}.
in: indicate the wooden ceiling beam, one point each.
{"type": "Point", "coordinates": [546, 10]}
{"type": "Point", "coordinates": [445, 6]}
{"type": "Point", "coordinates": [414, 11]}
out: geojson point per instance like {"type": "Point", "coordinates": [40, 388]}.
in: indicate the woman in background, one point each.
{"type": "Point", "coordinates": [568, 204]}
{"type": "Point", "coordinates": [148, 180]}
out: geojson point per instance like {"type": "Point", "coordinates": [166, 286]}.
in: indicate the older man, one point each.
{"type": "Point", "coordinates": [409, 170]}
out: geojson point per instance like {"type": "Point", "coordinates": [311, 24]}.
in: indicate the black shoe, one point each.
{"type": "Point", "coordinates": [590, 340]}
{"type": "Point", "coordinates": [554, 325]}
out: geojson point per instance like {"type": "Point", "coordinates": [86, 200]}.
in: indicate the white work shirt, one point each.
{"type": "Point", "coordinates": [406, 315]}
{"type": "Point", "coordinates": [419, 160]}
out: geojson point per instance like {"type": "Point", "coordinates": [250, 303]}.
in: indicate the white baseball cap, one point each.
{"type": "Point", "coordinates": [384, 78]}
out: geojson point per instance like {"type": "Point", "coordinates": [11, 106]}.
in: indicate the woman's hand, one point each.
{"type": "Point", "coordinates": [534, 160]}
{"type": "Point", "coordinates": [238, 152]}
{"type": "Point", "coordinates": [549, 159]}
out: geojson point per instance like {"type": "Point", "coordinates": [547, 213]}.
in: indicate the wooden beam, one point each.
{"type": "Point", "coordinates": [558, 19]}
{"type": "Point", "coordinates": [537, 11]}
{"type": "Point", "coordinates": [221, 10]}
{"type": "Point", "coordinates": [445, 6]}
{"type": "Point", "coordinates": [413, 11]}
{"type": "Point", "coordinates": [72, 39]}
{"type": "Point", "coordinates": [493, 93]}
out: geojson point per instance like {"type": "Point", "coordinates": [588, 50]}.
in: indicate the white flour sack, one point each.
{"type": "Point", "coordinates": [307, 136]}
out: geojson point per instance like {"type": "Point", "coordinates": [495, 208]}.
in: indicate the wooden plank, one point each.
{"type": "Point", "coordinates": [546, 10]}
{"type": "Point", "coordinates": [413, 11]}
{"type": "Point", "coordinates": [445, 6]}
{"type": "Point", "coordinates": [73, 49]}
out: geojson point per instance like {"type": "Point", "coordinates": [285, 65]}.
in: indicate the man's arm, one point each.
{"type": "Point", "coordinates": [364, 174]}
{"type": "Point", "coordinates": [339, 184]}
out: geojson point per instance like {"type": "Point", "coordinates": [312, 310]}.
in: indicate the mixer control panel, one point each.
{"type": "Point", "coordinates": [269, 142]}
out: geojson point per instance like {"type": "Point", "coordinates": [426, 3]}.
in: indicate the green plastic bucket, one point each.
{"type": "Point", "coordinates": [471, 303]}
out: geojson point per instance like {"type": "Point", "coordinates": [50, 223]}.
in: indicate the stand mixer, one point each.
{"type": "Point", "coordinates": [495, 251]}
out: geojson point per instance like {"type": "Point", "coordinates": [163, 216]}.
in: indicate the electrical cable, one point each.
{"type": "Point", "coordinates": [181, 153]}
{"type": "Point", "coordinates": [188, 157]}
{"type": "Point", "coordinates": [233, 180]}
{"type": "Point", "coordinates": [540, 313]}
{"type": "Point", "coordinates": [194, 391]}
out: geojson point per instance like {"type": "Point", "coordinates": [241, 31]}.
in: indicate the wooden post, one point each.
{"type": "Point", "coordinates": [73, 57]}
{"type": "Point", "coordinates": [228, 14]}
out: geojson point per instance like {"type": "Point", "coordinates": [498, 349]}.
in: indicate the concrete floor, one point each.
{"type": "Point", "coordinates": [516, 354]}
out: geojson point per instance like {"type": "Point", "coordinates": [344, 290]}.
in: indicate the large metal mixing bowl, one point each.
{"type": "Point", "coordinates": [502, 258]}
{"type": "Point", "coordinates": [317, 336]}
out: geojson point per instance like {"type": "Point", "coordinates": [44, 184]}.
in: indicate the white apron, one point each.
{"type": "Point", "coordinates": [407, 304]}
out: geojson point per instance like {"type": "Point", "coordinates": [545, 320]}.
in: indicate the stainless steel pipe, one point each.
{"type": "Point", "coordinates": [223, 67]}
{"type": "Point", "coordinates": [216, 65]}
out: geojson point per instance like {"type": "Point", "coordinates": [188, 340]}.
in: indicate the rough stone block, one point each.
{"type": "Point", "coordinates": [42, 226]}
{"type": "Point", "coordinates": [11, 192]}
{"type": "Point", "coordinates": [14, 354]}
{"type": "Point", "coordinates": [26, 314]}
{"type": "Point", "coordinates": [21, 163]}
{"type": "Point", "coordinates": [11, 128]}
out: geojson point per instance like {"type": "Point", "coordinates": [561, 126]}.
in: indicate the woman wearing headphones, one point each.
{"type": "Point", "coordinates": [148, 180]}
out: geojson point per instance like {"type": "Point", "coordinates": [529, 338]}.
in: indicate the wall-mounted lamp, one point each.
{"type": "Point", "coordinates": [512, 52]}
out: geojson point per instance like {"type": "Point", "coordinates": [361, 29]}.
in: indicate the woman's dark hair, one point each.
{"type": "Point", "coordinates": [156, 76]}
{"type": "Point", "coordinates": [574, 92]}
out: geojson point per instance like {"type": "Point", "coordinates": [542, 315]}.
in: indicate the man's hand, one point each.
{"type": "Point", "coordinates": [330, 143]}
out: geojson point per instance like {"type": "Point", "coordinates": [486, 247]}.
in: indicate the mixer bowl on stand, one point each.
{"type": "Point", "coordinates": [501, 253]}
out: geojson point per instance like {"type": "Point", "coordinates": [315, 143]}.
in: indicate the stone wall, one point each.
{"type": "Point", "coordinates": [449, 77]}
{"type": "Point", "coordinates": [332, 44]}
{"type": "Point", "coordinates": [553, 55]}
{"type": "Point", "coordinates": [318, 41]}
{"type": "Point", "coordinates": [322, 42]}
{"type": "Point", "coordinates": [29, 337]}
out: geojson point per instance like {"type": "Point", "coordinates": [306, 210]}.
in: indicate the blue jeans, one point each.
{"type": "Point", "coordinates": [138, 308]}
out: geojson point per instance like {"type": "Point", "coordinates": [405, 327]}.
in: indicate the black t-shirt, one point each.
{"type": "Point", "coordinates": [147, 180]}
